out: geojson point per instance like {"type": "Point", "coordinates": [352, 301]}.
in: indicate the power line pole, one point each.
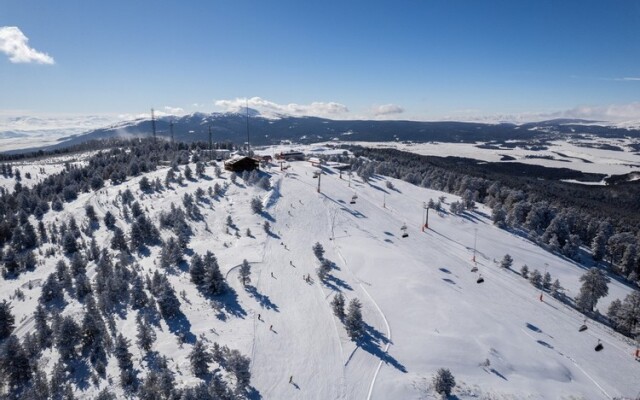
{"type": "Point", "coordinates": [319, 177]}
{"type": "Point", "coordinates": [153, 124]}
{"type": "Point", "coordinates": [171, 130]}
{"type": "Point", "coordinates": [475, 238]}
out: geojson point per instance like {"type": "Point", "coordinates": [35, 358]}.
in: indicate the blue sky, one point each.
{"type": "Point", "coordinates": [342, 59]}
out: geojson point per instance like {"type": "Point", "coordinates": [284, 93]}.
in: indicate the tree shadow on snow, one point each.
{"type": "Point", "coordinates": [262, 299]}
{"type": "Point", "coordinates": [180, 326]}
{"type": "Point", "coordinates": [336, 284]}
{"type": "Point", "coordinates": [372, 341]}
{"type": "Point", "coordinates": [229, 304]}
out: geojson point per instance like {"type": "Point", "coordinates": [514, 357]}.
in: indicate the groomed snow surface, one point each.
{"type": "Point", "coordinates": [421, 303]}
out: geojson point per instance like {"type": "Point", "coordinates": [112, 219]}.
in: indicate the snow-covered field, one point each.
{"type": "Point", "coordinates": [422, 305]}
{"type": "Point", "coordinates": [564, 154]}
{"type": "Point", "coordinates": [40, 169]}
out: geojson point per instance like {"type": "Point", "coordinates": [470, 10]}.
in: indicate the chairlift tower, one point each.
{"type": "Point", "coordinates": [319, 179]}
{"type": "Point", "coordinates": [426, 221]}
{"type": "Point", "coordinates": [171, 130]}
{"type": "Point", "coordinates": [475, 238]}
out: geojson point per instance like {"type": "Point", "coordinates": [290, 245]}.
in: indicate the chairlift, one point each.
{"type": "Point", "coordinates": [480, 279]}
{"type": "Point", "coordinates": [315, 174]}
{"type": "Point", "coordinates": [474, 269]}
{"type": "Point", "coordinates": [599, 346]}
{"type": "Point", "coordinates": [353, 199]}
{"type": "Point", "coordinates": [583, 327]}
{"type": "Point", "coordinates": [404, 231]}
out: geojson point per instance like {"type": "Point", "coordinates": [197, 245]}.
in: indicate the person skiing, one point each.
{"type": "Point", "coordinates": [259, 319]}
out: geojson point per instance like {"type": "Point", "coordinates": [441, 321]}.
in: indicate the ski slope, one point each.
{"type": "Point", "coordinates": [421, 303]}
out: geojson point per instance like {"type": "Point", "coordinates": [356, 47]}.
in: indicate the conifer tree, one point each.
{"type": "Point", "coordinates": [353, 320]}
{"type": "Point", "coordinates": [594, 286]}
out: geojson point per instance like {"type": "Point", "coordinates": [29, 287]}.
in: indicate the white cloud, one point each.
{"type": "Point", "coordinates": [387, 109]}
{"type": "Point", "coordinates": [629, 78]}
{"type": "Point", "coordinates": [174, 110]}
{"type": "Point", "coordinates": [271, 109]}
{"type": "Point", "coordinates": [612, 112]}
{"type": "Point", "coordinates": [15, 44]}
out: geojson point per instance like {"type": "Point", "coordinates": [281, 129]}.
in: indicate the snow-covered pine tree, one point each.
{"type": "Point", "coordinates": [318, 250]}
{"type": "Point", "coordinates": [239, 365]}
{"type": "Point", "coordinates": [535, 278]}
{"type": "Point", "coordinates": [199, 358]}
{"type": "Point", "coordinates": [109, 220]}
{"type": "Point", "coordinates": [118, 241]}
{"type": "Point", "coordinates": [14, 365]}
{"type": "Point", "coordinates": [507, 261]}
{"type": "Point", "coordinates": [524, 271]}
{"type": "Point", "coordinates": [556, 289]}
{"type": "Point", "coordinates": [7, 320]}
{"type": "Point", "coordinates": [213, 281]}
{"type": "Point", "coordinates": [245, 272]}
{"type": "Point", "coordinates": [444, 382]}
{"type": "Point", "coordinates": [353, 320]}
{"type": "Point", "coordinates": [196, 269]}
{"type": "Point", "coordinates": [256, 205]}
{"type": "Point", "coordinates": [66, 338]}
{"type": "Point", "coordinates": [338, 305]}
{"type": "Point", "coordinates": [594, 286]}
{"type": "Point", "coordinates": [145, 336]}
{"type": "Point", "coordinates": [123, 356]}
{"type": "Point", "coordinates": [546, 280]}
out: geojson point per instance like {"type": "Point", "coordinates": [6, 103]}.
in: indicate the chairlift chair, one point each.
{"type": "Point", "coordinates": [583, 327]}
{"type": "Point", "coordinates": [474, 269]}
{"type": "Point", "coordinates": [353, 199]}
{"type": "Point", "coordinates": [404, 231]}
{"type": "Point", "coordinates": [599, 346]}
{"type": "Point", "coordinates": [480, 279]}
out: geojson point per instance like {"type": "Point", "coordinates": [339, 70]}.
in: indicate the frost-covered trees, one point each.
{"type": "Point", "coordinates": [256, 205]}
{"type": "Point", "coordinates": [200, 357]}
{"type": "Point", "coordinates": [353, 320]}
{"type": "Point", "coordinates": [170, 254]}
{"type": "Point", "coordinates": [524, 271]}
{"type": "Point", "coordinates": [109, 220]}
{"type": "Point", "coordinates": [196, 269]}
{"type": "Point", "coordinates": [324, 269]}
{"type": "Point", "coordinates": [625, 315]}
{"type": "Point", "coordinates": [7, 320]}
{"type": "Point", "coordinates": [146, 336]}
{"type": "Point", "coordinates": [213, 282]}
{"type": "Point", "coordinates": [69, 243]}
{"type": "Point", "coordinates": [123, 356]}
{"type": "Point", "coordinates": [594, 286]}
{"type": "Point", "coordinates": [118, 241]}
{"type": "Point", "coordinates": [338, 305]}
{"type": "Point", "coordinates": [535, 278]}
{"type": "Point", "coordinates": [546, 280]}
{"type": "Point", "coordinates": [507, 261]}
{"type": "Point", "coordinates": [245, 272]}
{"type": "Point", "coordinates": [14, 364]}
{"type": "Point", "coordinates": [444, 382]}
{"type": "Point", "coordinates": [66, 338]}
{"type": "Point", "coordinates": [167, 301]}
{"type": "Point", "coordinates": [556, 289]}
{"type": "Point", "coordinates": [318, 250]}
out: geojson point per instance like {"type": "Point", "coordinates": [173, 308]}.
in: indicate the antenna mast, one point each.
{"type": "Point", "coordinates": [247, 110]}
{"type": "Point", "coordinates": [210, 148]}
{"type": "Point", "coordinates": [171, 129]}
{"type": "Point", "coordinates": [153, 124]}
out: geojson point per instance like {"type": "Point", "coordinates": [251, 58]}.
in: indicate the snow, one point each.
{"type": "Point", "coordinates": [422, 304]}
{"type": "Point", "coordinates": [585, 159]}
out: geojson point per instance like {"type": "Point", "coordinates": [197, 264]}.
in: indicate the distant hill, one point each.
{"type": "Point", "coordinates": [232, 127]}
